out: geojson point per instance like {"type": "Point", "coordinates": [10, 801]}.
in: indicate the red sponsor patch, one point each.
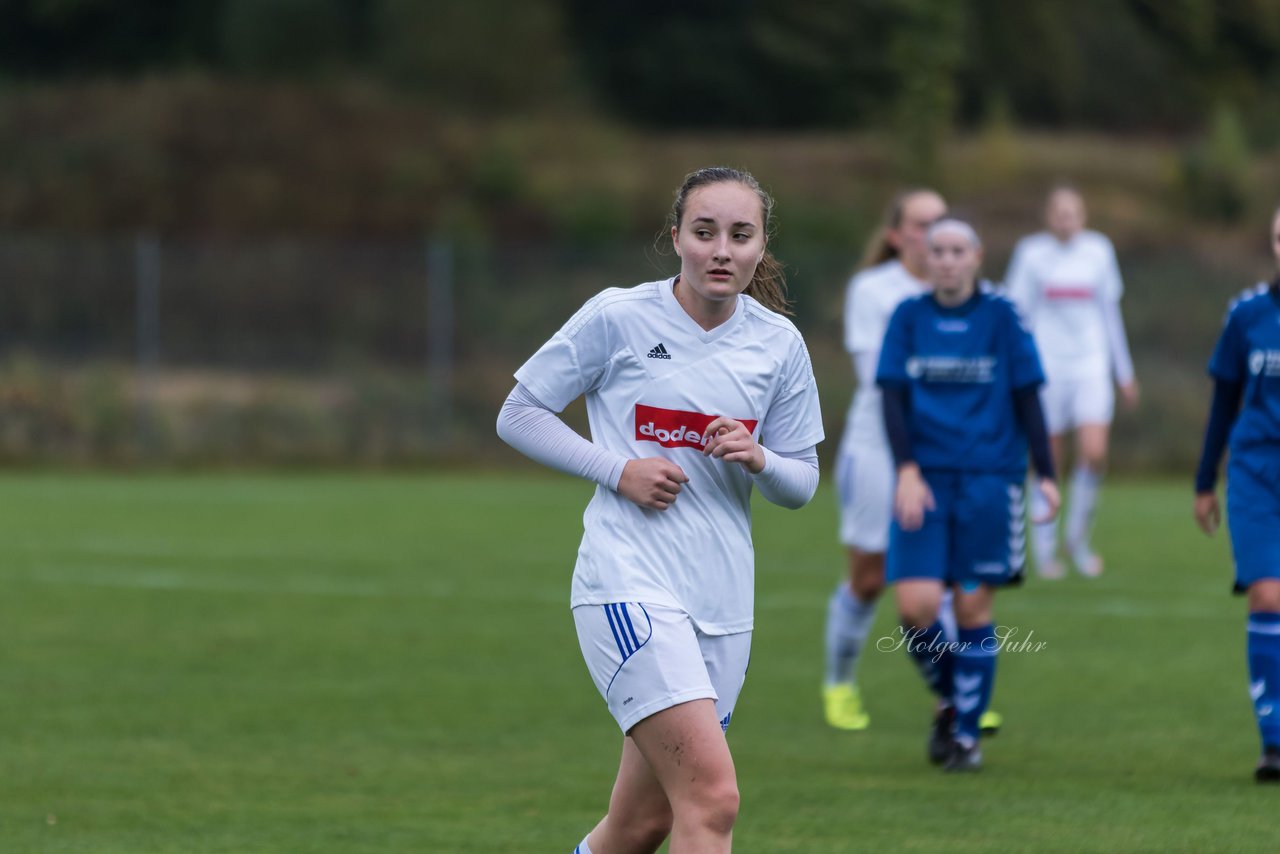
{"type": "Point", "coordinates": [675, 428]}
{"type": "Point", "coordinates": [1066, 291]}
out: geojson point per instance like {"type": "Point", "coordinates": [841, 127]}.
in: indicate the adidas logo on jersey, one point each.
{"type": "Point", "coordinates": [659, 352]}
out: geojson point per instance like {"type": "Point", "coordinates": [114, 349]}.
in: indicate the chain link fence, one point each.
{"type": "Point", "coordinates": [139, 348]}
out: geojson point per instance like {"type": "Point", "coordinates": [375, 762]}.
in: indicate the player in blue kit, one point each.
{"type": "Point", "coordinates": [1246, 411]}
{"type": "Point", "coordinates": [960, 379]}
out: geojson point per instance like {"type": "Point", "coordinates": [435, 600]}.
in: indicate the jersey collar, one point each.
{"type": "Point", "coordinates": [673, 308]}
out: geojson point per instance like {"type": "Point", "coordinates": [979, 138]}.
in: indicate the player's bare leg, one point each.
{"type": "Point", "coordinates": [639, 817]}
{"type": "Point", "coordinates": [686, 752]}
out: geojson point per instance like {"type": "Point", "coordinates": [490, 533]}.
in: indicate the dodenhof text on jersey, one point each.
{"type": "Point", "coordinates": [676, 428]}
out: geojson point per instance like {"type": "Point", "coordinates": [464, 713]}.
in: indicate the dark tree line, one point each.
{"type": "Point", "coordinates": [1109, 64]}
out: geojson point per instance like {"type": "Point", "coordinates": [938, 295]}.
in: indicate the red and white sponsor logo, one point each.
{"type": "Point", "coordinates": [1065, 291]}
{"type": "Point", "coordinates": [675, 428]}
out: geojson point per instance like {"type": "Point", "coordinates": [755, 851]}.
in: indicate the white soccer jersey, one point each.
{"type": "Point", "coordinates": [653, 380]}
{"type": "Point", "coordinates": [1061, 289]}
{"type": "Point", "coordinates": [870, 300]}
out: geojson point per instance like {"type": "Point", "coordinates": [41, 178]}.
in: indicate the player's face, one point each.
{"type": "Point", "coordinates": [953, 265]}
{"type": "Point", "coordinates": [720, 240]}
{"type": "Point", "coordinates": [911, 236]}
{"type": "Point", "coordinates": [1065, 214]}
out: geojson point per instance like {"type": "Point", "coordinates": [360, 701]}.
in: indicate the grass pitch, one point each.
{"type": "Point", "coordinates": [355, 663]}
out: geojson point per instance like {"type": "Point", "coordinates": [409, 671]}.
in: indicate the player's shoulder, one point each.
{"type": "Point", "coordinates": [877, 279]}
{"type": "Point", "coordinates": [616, 302]}
{"type": "Point", "coordinates": [1095, 241]}
{"type": "Point", "coordinates": [1040, 241]}
{"type": "Point", "coordinates": [1252, 301]}
{"type": "Point", "coordinates": [758, 312]}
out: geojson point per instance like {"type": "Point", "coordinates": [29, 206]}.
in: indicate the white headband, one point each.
{"type": "Point", "coordinates": [955, 226]}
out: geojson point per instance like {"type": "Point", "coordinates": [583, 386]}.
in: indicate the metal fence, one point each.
{"type": "Point", "coordinates": [138, 346]}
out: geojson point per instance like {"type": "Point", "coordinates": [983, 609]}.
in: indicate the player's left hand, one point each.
{"type": "Point", "coordinates": [732, 442]}
{"type": "Point", "coordinates": [1049, 490]}
{"type": "Point", "coordinates": [1208, 514]}
{"type": "Point", "coordinates": [1129, 395]}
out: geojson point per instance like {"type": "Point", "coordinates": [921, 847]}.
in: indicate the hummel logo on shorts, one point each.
{"type": "Point", "coordinates": [659, 352]}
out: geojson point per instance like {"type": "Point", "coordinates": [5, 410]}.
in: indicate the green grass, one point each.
{"type": "Point", "coordinates": [358, 663]}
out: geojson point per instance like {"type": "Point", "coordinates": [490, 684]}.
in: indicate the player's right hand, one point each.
{"type": "Point", "coordinates": [652, 482]}
{"type": "Point", "coordinates": [912, 498]}
{"type": "Point", "coordinates": [1208, 515]}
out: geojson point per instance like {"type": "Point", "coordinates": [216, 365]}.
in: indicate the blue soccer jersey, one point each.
{"type": "Point", "coordinates": [1248, 352]}
{"type": "Point", "coordinates": [962, 365]}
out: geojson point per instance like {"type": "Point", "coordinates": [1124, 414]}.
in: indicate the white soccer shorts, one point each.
{"type": "Point", "coordinates": [1072, 402]}
{"type": "Point", "coordinates": [864, 483]}
{"type": "Point", "coordinates": [646, 658]}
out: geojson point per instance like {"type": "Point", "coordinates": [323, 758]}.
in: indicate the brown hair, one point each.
{"type": "Point", "coordinates": [879, 249]}
{"type": "Point", "coordinates": [768, 284]}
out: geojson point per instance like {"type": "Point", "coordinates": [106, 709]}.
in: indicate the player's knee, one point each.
{"type": "Point", "coordinates": [647, 831]}
{"type": "Point", "coordinates": [868, 583]}
{"type": "Point", "coordinates": [718, 806]}
{"type": "Point", "coordinates": [1264, 596]}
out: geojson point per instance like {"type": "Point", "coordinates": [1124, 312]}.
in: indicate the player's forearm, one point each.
{"type": "Point", "coordinates": [1222, 416]}
{"type": "Point", "coordinates": [1030, 413]}
{"type": "Point", "coordinates": [894, 398]}
{"type": "Point", "coordinates": [788, 479]}
{"type": "Point", "coordinates": [1117, 342]}
{"type": "Point", "coordinates": [535, 431]}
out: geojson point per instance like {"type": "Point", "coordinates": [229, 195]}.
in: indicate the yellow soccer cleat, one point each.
{"type": "Point", "coordinates": [990, 722]}
{"type": "Point", "coordinates": [842, 705]}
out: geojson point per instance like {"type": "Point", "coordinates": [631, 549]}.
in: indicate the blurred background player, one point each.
{"type": "Point", "coordinates": [893, 268]}
{"type": "Point", "coordinates": [698, 390]}
{"type": "Point", "coordinates": [1067, 283]}
{"type": "Point", "coordinates": [1246, 368]}
{"type": "Point", "coordinates": [960, 380]}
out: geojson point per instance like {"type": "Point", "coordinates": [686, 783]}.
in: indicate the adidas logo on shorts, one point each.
{"type": "Point", "coordinates": [659, 352]}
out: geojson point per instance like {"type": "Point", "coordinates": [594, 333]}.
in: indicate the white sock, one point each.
{"type": "Point", "coordinates": [583, 848]}
{"type": "Point", "coordinates": [1084, 499]}
{"type": "Point", "coordinates": [947, 617]}
{"type": "Point", "coordinates": [849, 622]}
{"type": "Point", "coordinates": [1044, 535]}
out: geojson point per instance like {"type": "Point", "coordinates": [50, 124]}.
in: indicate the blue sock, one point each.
{"type": "Point", "coordinates": [975, 676]}
{"type": "Point", "coordinates": [931, 652]}
{"type": "Point", "coordinates": [1264, 673]}
{"type": "Point", "coordinates": [849, 621]}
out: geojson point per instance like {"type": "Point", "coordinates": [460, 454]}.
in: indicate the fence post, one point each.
{"type": "Point", "coordinates": [440, 270]}
{"type": "Point", "coordinates": [147, 287]}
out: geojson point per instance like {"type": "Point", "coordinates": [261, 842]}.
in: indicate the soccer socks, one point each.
{"type": "Point", "coordinates": [1084, 499]}
{"type": "Point", "coordinates": [931, 652]}
{"type": "Point", "coordinates": [849, 622]}
{"type": "Point", "coordinates": [1264, 673]}
{"type": "Point", "coordinates": [582, 847]}
{"type": "Point", "coordinates": [974, 665]}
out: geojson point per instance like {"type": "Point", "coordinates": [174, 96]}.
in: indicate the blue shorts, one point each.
{"type": "Point", "coordinates": [976, 534]}
{"type": "Point", "coordinates": [1253, 518]}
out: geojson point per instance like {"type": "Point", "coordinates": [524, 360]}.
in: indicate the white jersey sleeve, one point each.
{"type": "Point", "coordinates": [1110, 285]}
{"type": "Point", "coordinates": [794, 418]}
{"type": "Point", "coordinates": [574, 360]}
{"type": "Point", "coordinates": [1019, 281]}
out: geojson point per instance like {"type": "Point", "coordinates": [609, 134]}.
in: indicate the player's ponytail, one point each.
{"type": "Point", "coordinates": [768, 284]}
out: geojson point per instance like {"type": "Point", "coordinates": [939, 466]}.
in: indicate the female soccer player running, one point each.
{"type": "Point", "coordinates": [893, 270]}
{"type": "Point", "coordinates": [1246, 368]}
{"type": "Point", "coordinates": [960, 380]}
{"type": "Point", "coordinates": [697, 390]}
{"type": "Point", "coordinates": [1067, 283]}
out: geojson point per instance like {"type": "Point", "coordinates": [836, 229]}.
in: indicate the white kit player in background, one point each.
{"type": "Point", "coordinates": [893, 269]}
{"type": "Point", "coordinates": [1067, 284]}
{"type": "Point", "coordinates": [698, 391]}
